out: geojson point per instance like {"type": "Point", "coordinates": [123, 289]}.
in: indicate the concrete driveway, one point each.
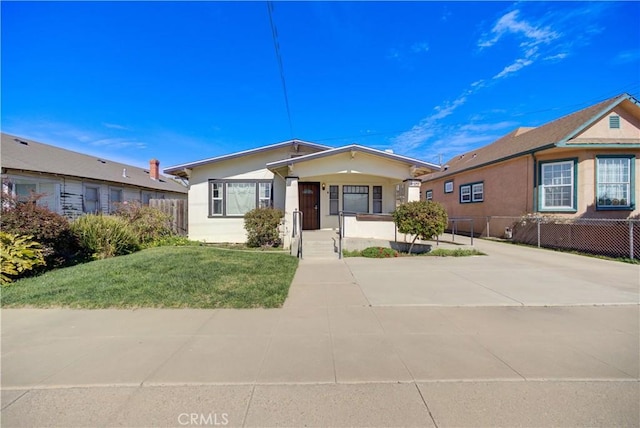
{"type": "Point", "coordinates": [361, 342]}
{"type": "Point", "coordinates": [509, 276]}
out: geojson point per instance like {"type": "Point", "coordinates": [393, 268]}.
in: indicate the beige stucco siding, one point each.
{"type": "Point", "coordinates": [629, 128]}
{"type": "Point", "coordinates": [251, 167]}
{"type": "Point", "coordinates": [359, 163]}
{"type": "Point", "coordinates": [586, 180]}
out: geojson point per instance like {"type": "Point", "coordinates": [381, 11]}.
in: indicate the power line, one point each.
{"type": "Point", "coordinates": [276, 45]}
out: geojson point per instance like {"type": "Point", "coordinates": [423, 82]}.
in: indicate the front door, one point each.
{"type": "Point", "coordinates": [309, 198]}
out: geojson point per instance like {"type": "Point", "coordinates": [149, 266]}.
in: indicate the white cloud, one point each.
{"type": "Point", "coordinates": [626, 57]}
{"type": "Point", "coordinates": [556, 57]}
{"type": "Point", "coordinates": [420, 47]}
{"type": "Point", "coordinates": [115, 126]}
{"type": "Point", "coordinates": [510, 69]}
{"type": "Point", "coordinates": [510, 24]}
{"type": "Point", "coordinates": [118, 143]}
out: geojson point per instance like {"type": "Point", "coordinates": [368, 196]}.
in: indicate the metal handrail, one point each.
{"type": "Point", "coordinates": [297, 230]}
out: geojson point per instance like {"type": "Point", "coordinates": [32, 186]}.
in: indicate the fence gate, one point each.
{"type": "Point", "coordinates": [177, 210]}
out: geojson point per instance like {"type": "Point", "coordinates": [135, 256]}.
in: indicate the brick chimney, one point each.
{"type": "Point", "coordinates": [154, 169]}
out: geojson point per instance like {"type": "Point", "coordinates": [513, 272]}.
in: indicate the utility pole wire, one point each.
{"type": "Point", "coordinates": [276, 45]}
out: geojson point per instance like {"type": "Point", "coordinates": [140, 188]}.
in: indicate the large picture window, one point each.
{"type": "Point", "coordinates": [557, 186]}
{"type": "Point", "coordinates": [614, 182]}
{"type": "Point", "coordinates": [355, 199]}
{"type": "Point", "coordinates": [236, 198]}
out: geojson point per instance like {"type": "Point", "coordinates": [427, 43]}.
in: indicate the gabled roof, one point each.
{"type": "Point", "coordinates": [27, 155]}
{"type": "Point", "coordinates": [357, 148]}
{"type": "Point", "coordinates": [523, 141]}
{"type": "Point", "coordinates": [179, 169]}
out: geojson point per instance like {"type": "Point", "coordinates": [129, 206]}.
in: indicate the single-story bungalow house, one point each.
{"type": "Point", "coordinates": [299, 176]}
{"type": "Point", "coordinates": [583, 165]}
{"type": "Point", "coordinates": [73, 183]}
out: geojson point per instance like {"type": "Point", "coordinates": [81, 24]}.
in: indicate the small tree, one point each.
{"type": "Point", "coordinates": [262, 227]}
{"type": "Point", "coordinates": [423, 219]}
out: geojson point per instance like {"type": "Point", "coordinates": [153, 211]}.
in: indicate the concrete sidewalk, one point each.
{"type": "Point", "coordinates": [331, 357]}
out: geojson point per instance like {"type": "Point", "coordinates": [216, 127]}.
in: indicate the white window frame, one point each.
{"type": "Point", "coordinates": [428, 195]}
{"type": "Point", "coordinates": [465, 194]}
{"type": "Point", "coordinates": [543, 187]}
{"type": "Point", "coordinates": [475, 192]}
{"type": "Point", "coordinates": [600, 198]}
{"type": "Point", "coordinates": [260, 198]}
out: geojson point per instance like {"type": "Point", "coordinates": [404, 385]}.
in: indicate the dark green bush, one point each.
{"type": "Point", "coordinates": [105, 236]}
{"type": "Point", "coordinates": [148, 223]}
{"type": "Point", "coordinates": [379, 252]}
{"type": "Point", "coordinates": [19, 255]}
{"type": "Point", "coordinates": [60, 247]}
{"type": "Point", "coordinates": [261, 225]}
{"type": "Point", "coordinates": [423, 219]}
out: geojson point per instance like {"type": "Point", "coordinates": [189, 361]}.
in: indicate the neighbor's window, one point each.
{"type": "Point", "coordinates": [377, 199]}
{"type": "Point", "coordinates": [465, 194]}
{"type": "Point", "coordinates": [25, 191]}
{"type": "Point", "coordinates": [557, 186]}
{"type": "Point", "coordinates": [334, 200]}
{"type": "Point", "coordinates": [355, 199]}
{"type": "Point", "coordinates": [146, 197]}
{"type": "Point", "coordinates": [236, 198]}
{"type": "Point", "coordinates": [448, 187]}
{"type": "Point", "coordinates": [429, 195]}
{"type": "Point", "coordinates": [477, 192]}
{"type": "Point", "coordinates": [115, 197]}
{"type": "Point", "coordinates": [91, 199]}
{"type": "Point", "coordinates": [614, 182]}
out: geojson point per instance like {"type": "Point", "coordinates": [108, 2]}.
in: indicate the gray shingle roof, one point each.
{"type": "Point", "coordinates": [23, 154]}
{"type": "Point", "coordinates": [526, 140]}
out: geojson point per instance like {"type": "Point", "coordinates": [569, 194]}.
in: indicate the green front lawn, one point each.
{"type": "Point", "coordinates": [170, 277]}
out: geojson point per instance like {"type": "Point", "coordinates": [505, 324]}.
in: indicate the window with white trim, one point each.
{"type": "Point", "coordinates": [472, 192]}
{"type": "Point", "coordinates": [429, 195]}
{"type": "Point", "coordinates": [614, 182]}
{"type": "Point", "coordinates": [355, 199]}
{"type": "Point", "coordinates": [230, 198]}
{"type": "Point", "coordinates": [557, 186]}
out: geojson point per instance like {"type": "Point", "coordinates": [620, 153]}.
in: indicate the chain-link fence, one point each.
{"type": "Point", "coordinates": [607, 237]}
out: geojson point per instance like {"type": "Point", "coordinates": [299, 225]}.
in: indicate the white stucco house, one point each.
{"type": "Point", "coordinates": [299, 176]}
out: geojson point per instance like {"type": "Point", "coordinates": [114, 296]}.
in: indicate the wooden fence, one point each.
{"type": "Point", "coordinates": [177, 209]}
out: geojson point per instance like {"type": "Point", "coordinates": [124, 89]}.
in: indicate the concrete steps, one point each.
{"type": "Point", "coordinates": [319, 244]}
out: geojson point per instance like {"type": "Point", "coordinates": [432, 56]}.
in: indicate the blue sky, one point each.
{"type": "Point", "coordinates": [182, 81]}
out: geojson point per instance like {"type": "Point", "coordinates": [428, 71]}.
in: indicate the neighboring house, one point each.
{"type": "Point", "coordinates": [294, 175]}
{"type": "Point", "coordinates": [73, 183]}
{"type": "Point", "coordinates": [581, 165]}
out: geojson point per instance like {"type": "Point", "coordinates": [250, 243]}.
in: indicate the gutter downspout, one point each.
{"type": "Point", "coordinates": [535, 183]}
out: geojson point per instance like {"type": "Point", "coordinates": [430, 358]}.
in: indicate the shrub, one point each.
{"type": "Point", "coordinates": [148, 223]}
{"type": "Point", "coordinates": [262, 227]}
{"type": "Point", "coordinates": [52, 231]}
{"type": "Point", "coordinates": [423, 219]}
{"type": "Point", "coordinates": [105, 236]}
{"type": "Point", "coordinates": [19, 254]}
{"type": "Point", "coordinates": [379, 252]}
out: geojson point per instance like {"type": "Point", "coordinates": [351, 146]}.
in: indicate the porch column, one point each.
{"type": "Point", "coordinates": [290, 205]}
{"type": "Point", "coordinates": [412, 190]}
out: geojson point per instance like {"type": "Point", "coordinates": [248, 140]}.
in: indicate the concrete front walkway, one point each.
{"type": "Point", "coordinates": [341, 353]}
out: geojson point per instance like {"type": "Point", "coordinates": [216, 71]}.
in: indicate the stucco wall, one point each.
{"type": "Point", "coordinates": [252, 167]}
{"type": "Point", "coordinates": [629, 127]}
